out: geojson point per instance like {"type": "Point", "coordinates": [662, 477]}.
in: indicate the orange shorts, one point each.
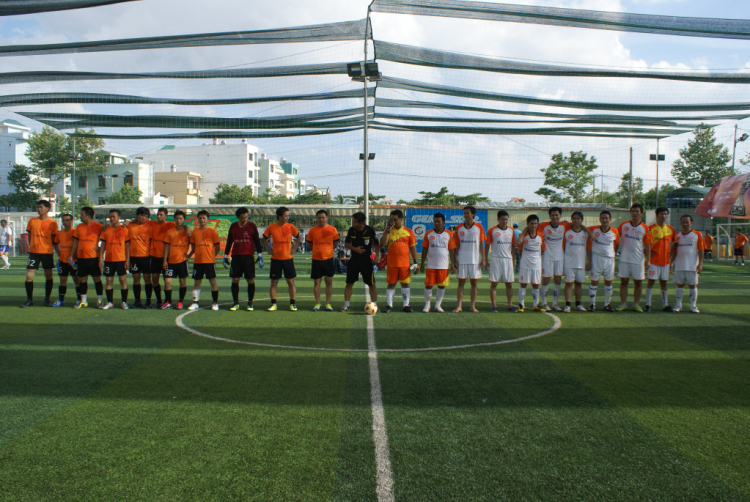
{"type": "Point", "coordinates": [397, 274]}
{"type": "Point", "coordinates": [436, 277]}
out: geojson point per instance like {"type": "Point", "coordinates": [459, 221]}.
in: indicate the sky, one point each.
{"type": "Point", "coordinates": [500, 167]}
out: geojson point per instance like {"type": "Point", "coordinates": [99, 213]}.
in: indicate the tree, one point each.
{"type": "Point", "coordinates": [624, 189]}
{"type": "Point", "coordinates": [233, 194]}
{"type": "Point", "coordinates": [125, 195]}
{"type": "Point", "coordinates": [649, 198]}
{"type": "Point", "coordinates": [28, 185]}
{"type": "Point", "coordinates": [443, 198]}
{"type": "Point", "coordinates": [570, 175]}
{"type": "Point", "coordinates": [746, 160]}
{"type": "Point", "coordinates": [704, 161]}
{"type": "Point", "coordinates": [64, 206]}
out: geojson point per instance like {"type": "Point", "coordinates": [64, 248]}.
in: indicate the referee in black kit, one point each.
{"type": "Point", "coordinates": [362, 242]}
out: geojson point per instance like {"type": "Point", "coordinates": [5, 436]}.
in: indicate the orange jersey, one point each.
{"type": "Point", "coordinates": [179, 245]}
{"type": "Point", "coordinates": [400, 240]}
{"type": "Point", "coordinates": [158, 233]}
{"type": "Point", "coordinates": [41, 233]}
{"type": "Point", "coordinates": [88, 240]}
{"type": "Point", "coordinates": [282, 240]}
{"type": "Point", "coordinates": [64, 241]}
{"type": "Point", "coordinates": [114, 243]}
{"type": "Point", "coordinates": [708, 241]}
{"type": "Point", "coordinates": [140, 236]}
{"type": "Point", "coordinates": [322, 241]}
{"type": "Point", "coordinates": [661, 243]}
{"type": "Point", "coordinates": [204, 241]}
{"type": "Point", "coordinates": [740, 241]}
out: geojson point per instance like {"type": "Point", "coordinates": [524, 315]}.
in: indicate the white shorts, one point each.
{"type": "Point", "coordinates": [575, 275]}
{"type": "Point", "coordinates": [501, 270]}
{"type": "Point", "coordinates": [601, 266]}
{"type": "Point", "coordinates": [685, 277]}
{"type": "Point", "coordinates": [529, 276]}
{"type": "Point", "coordinates": [658, 273]}
{"type": "Point", "coordinates": [469, 271]}
{"type": "Point", "coordinates": [636, 271]}
{"type": "Point", "coordinates": [552, 268]}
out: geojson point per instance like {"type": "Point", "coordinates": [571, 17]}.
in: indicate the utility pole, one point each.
{"type": "Point", "coordinates": [73, 183]}
{"type": "Point", "coordinates": [734, 148]}
{"type": "Point", "coordinates": [630, 182]}
{"type": "Point", "coordinates": [602, 183]}
{"type": "Point", "coordinates": [657, 172]}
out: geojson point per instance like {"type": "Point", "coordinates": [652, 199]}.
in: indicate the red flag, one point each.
{"type": "Point", "coordinates": [729, 198]}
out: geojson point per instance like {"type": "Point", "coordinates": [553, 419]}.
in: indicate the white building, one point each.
{"type": "Point", "coordinates": [217, 163]}
{"type": "Point", "coordinates": [13, 144]}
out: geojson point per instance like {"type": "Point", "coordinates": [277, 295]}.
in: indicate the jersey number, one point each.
{"type": "Point", "coordinates": [31, 263]}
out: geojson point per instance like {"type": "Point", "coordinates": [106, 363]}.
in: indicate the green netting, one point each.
{"type": "Point", "coordinates": [349, 30]}
{"type": "Point", "coordinates": [216, 134]}
{"type": "Point", "coordinates": [441, 59]}
{"type": "Point", "coordinates": [587, 119]}
{"type": "Point", "coordinates": [46, 98]}
{"type": "Point", "coordinates": [615, 132]}
{"type": "Point", "coordinates": [15, 7]}
{"type": "Point", "coordinates": [410, 85]}
{"type": "Point", "coordinates": [575, 18]}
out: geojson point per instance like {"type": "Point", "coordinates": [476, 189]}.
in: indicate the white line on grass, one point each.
{"type": "Point", "coordinates": [384, 487]}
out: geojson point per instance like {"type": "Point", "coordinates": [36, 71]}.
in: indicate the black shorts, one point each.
{"type": "Point", "coordinates": [356, 267]}
{"type": "Point", "coordinates": [204, 269]}
{"type": "Point", "coordinates": [283, 266]}
{"type": "Point", "coordinates": [179, 270]}
{"type": "Point", "coordinates": [242, 265]}
{"type": "Point", "coordinates": [156, 265]}
{"type": "Point", "coordinates": [706, 252]}
{"type": "Point", "coordinates": [64, 269]}
{"type": "Point", "coordinates": [140, 265]}
{"type": "Point", "coordinates": [36, 259]}
{"type": "Point", "coordinates": [88, 267]}
{"type": "Point", "coordinates": [322, 268]}
{"type": "Point", "coordinates": [737, 251]}
{"type": "Point", "coordinates": [114, 267]}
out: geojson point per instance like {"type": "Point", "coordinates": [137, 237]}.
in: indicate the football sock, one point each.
{"type": "Point", "coordinates": [84, 290]}
{"type": "Point", "coordinates": [99, 287]}
{"type": "Point", "coordinates": [5, 259]}
{"type": "Point", "coordinates": [196, 295]}
{"type": "Point", "coordinates": [149, 290]}
{"type": "Point", "coordinates": [61, 290]}
{"type": "Point", "coordinates": [543, 290]}
{"type": "Point", "coordinates": [273, 301]}
{"type": "Point", "coordinates": [567, 304]}
{"type": "Point", "coordinates": [555, 293]}
{"type": "Point", "coordinates": [124, 295]}
{"type": "Point", "coordinates": [693, 295]}
{"type": "Point", "coordinates": [215, 296]}
{"type": "Point", "coordinates": [535, 297]}
{"type": "Point", "coordinates": [405, 295]}
{"type": "Point", "coordinates": [137, 292]}
{"type": "Point", "coordinates": [649, 292]}
{"type": "Point", "coordinates": [592, 294]}
{"type": "Point", "coordinates": [440, 295]}
{"type": "Point", "coordinates": [521, 295]}
{"type": "Point", "coordinates": [168, 295]}
{"type": "Point", "coordinates": [678, 292]}
{"type": "Point", "coordinates": [665, 298]}
{"type": "Point", "coordinates": [427, 296]}
{"type": "Point", "coordinates": [389, 294]}
{"type": "Point", "coordinates": [608, 294]}
{"type": "Point", "coordinates": [29, 290]}
{"type": "Point", "coordinates": [110, 296]}
{"type": "Point", "coordinates": [183, 292]}
{"type": "Point", "coordinates": [48, 285]}
{"type": "Point", "coordinates": [235, 293]}
{"type": "Point", "coordinates": [250, 292]}
{"type": "Point", "coordinates": [346, 304]}
{"type": "Point", "coordinates": [291, 301]}
{"type": "Point", "coordinates": [578, 304]}
{"type": "Point", "coordinates": [157, 292]}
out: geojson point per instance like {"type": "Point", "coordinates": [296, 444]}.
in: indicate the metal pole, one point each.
{"type": "Point", "coordinates": [366, 200]}
{"type": "Point", "coordinates": [602, 183]}
{"type": "Point", "coordinates": [729, 220]}
{"type": "Point", "coordinates": [630, 184]}
{"type": "Point", "coordinates": [73, 183]}
{"type": "Point", "coordinates": [657, 172]}
{"type": "Point", "coordinates": [734, 148]}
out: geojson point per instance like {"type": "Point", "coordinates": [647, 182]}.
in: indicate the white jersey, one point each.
{"type": "Point", "coordinates": [553, 240]}
{"type": "Point", "coordinates": [575, 248]}
{"type": "Point", "coordinates": [502, 243]}
{"type": "Point", "coordinates": [603, 243]}
{"type": "Point", "coordinates": [438, 247]}
{"type": "Point", "coordinates": [469, 242]}
{"type": "Point", "coordinates": [5, 235]}
{"type": "Point", "coordinates": [632, 240]}
{"type": "Point", "coordinates": [531, 256]}
{"type": "Point", "coordinates": [688, 247]}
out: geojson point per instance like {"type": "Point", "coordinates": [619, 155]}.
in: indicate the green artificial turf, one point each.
{"type": "Point", "coordinates": [125, 405]}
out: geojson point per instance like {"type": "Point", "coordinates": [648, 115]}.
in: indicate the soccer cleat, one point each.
{"type": "Point", "coordinates": [439, 310]}
{"type": "Point", "coordinates": [567, 309]}
{"type": "Point", "coordinates": [292, 307]}
{"type": "Point", "coordinates": [345, 308]}
{"type": "Point", "coordinates": [580, 308]}
{"type": "Point", "coordinates": [166, 306]}
{"type": "Point", "coordinates": [273, 308]}
{"type": "Point", "coordinates": [592, 307]}
{"type": "Point", "coordinates": [179, 305]}
{"type": "Point", "coordinates": [316, 308]}
{"type": "Point", "coordinates": [6, 267]}
{"type": "Point", "coordinates": [556, 307]}
{"type": "Point", "coordinates": [137, 304]}
{"type": "Point", "coordinates": [388, 309]}
{"type": "Point", "coordinates": [79, 305]}
{"type": "Point", "coordinates": [493, 309]}
{"type": "Point", "coordinates": [250, 306]}
{"type": "Point", "coordinates": [58, 303]}
{"type": "Point", "coordinates": [538, 309]}
{"type": "Point", "coordinates": [27, 304]}
{"type": "Point", "coordinates": [108, 305]}
{"type": "Point", "coordinates": [124, 306]}
{"type": "Point", "coordinates": [215, 306]}
{"type": "Point", "coordinates": [329, 308]}
{"type": "Point", "coordinates": [194, 306]}
{"type": "Point", "coordinates": [47, 302]}
{"type": "Point", "coordinates": [608, 308]}
{"type": "Point", "coordinates": [148, 304]}
{"type": "Point", "coordinates": [158, 305]}
{"type": "Point", "coordinates": [426, 308]}
{"type": "Point", "coordinates": [637, 308]}
{"type": "Point", "coordinates": [695, 310]}
{"type": "Point", "coordinates": [647, 308]}
{"type": "Point", "coordinates": [408, 309]}
{"type": "Point", "coordinates": [621, 308]}
{"type": "Point", "coordinates": [512, 309]}
{"type": "Point", "coordinates": [521, 309]}
{"type": "Point", "coordinates": [235, 306]}
{"type": "Point", "coordinates": [667, 309]}
{"type": "Point", "coordinates": [545, 308]}
{"type": "Point", "coordinates": [677, 309]}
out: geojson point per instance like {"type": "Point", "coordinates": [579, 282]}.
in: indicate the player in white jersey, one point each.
{"type": "Point", "coordinates": [635, 245]}
{"type": "Point", "coordinates": [576, 259]}
{"type": "Point", "coordinates": [530, 269]}
{"type": "Point", "coordinates": [469, 239]}
{"type": "Point", "coordinates": [687, 257]}
{"type": "Point", "coordinates": [553, 257]}
{"type": "Point", "coordinates": [601, 250]}
{"type": "Point", "coordinates": [501, 245]}
{"type": "Point", "coordinates": [438, 248]}
{"type": "Point", "coordinates": [6, 242]}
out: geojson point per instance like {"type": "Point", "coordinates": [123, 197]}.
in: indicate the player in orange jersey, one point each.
{"type": "Point", "coordinates": [323, 238]}
{"type": "Point", "coordinates": [63, 247]}
{"type": "Point", "coordinates": [282, 256]}
{"type": "Point", "coordinates": [740, 240]}
{"type": "Point", "coordinates": [204, 244]}
{"type": "Point", "coordinates": [115, 259]}
{"type": "Point", "coordinates": [41, 232]}
{"type": "Point", "coordinates": [159, 229]}
{"type": "Point", "coordinates": [86, 253]}
{"type": "Point", "coordinates": [708, 243]}
{"type": "Point", "coordinates": [662, 236]}
{"type": "Point", "coordinates": [175, 263]}
{"type": "Point", "coordinates": [140, 261]}
{"type": "Point", "coordinates": [401, 243]}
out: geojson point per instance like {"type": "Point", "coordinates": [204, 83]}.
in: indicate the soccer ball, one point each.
{"type": "Point", "coordinates": [371, 308]}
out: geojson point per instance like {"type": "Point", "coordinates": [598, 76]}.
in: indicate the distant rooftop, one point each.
{"type": "Point", "coordinates": [167, 147]}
